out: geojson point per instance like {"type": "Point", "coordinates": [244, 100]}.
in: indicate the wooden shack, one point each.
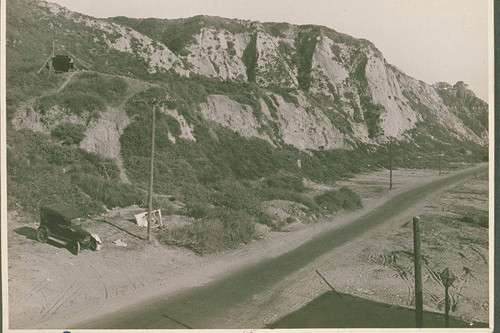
{"type": "Point", "coordinates": [62, 63]}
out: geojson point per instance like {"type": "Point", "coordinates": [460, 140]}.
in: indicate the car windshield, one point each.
{"type": "Point", "coordinates": [76, 222]}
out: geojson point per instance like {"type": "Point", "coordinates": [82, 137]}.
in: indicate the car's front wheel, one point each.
{"type": "Point", "coordinates": [42, 235]}
{"type": "Point", "coordinates": [74, 247]}
{"type": "Point", "coordinates": [93, 244]}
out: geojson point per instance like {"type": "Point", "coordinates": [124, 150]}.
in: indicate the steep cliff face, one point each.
{"type": "Point", "coordinates": [376, 99]}
{"type": "Point", "coordinates": [341, 91]}
{"type": "Point", "coordinates": [464, 104]}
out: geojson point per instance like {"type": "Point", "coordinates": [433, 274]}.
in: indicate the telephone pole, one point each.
{"type": "Point", "coordinates": [153, 102]}
{"type": "Point", "coordinates": [151, 171]}
{"type": "Point", "coordinates": [419, 321]}
{"type": "Point", "coordinates": [440, 154]}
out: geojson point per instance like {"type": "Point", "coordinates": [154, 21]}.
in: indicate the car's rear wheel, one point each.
{"type": "Point", "coordinates": [42, 235]}
{"type": "Point", "coordinates": [74, 247]}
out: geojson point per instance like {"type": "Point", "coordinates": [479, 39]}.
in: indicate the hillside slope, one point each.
{"type": "Point", "coordinates": [255, 108]}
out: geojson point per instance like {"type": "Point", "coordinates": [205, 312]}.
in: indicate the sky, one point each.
{"type": "Point", "coordinates": [431, 40]}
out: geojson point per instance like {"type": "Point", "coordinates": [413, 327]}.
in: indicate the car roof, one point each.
{"type": "Point", "coordinates": [63, 209]}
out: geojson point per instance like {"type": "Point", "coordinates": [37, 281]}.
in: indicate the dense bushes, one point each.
{"type": "Point", "coordinates": [69, 133]}
{"type": "Point", "coordinates": [306, 45]}
{"type": "Point", "coordinates": [110, 88]}
{"type": "Point", "coordinates": [250, 56]}
{"type": "Point", "coordinates": [333, 200]}
{"type": "Point", "coordinates": [220, 229]}
{"type": "Point", "coordinates": [110, 192]}
{"type": "Point", "coordinates": [41, 171]}
{"type": "Point", "coordinates": [176, 34]}
{"type": "Point", "coordinates": [86, 92]}
{"type": "Point", "coordinates": [293, 183]}
{"type": "Point", "coordinates": [372, 114]}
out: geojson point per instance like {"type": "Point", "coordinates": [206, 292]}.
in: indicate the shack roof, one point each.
{"type": "Point", "coordinates": [63, 209]}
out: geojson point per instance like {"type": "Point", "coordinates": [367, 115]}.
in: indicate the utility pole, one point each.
{"type": "Point", "coordinates": [151, 171]}
{"type": "Point", "coordinates": [440, 153]}
{"type": "Point", "coordinates": [418, 273]}
{"type": "Point", "coordinates": [52, 56]}
{"type": "Point", "coordinates": [390, 164]}
{"type": "Point", "coordinates": [153, 105]}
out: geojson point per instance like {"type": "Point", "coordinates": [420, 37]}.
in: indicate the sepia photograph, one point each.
{"type": "Point", "coordinates": [247, 165]}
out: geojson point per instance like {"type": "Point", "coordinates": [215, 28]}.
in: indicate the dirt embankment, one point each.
{"type": "Point", "coordinates": [48, 286]}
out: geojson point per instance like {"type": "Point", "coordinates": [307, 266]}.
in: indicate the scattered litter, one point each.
{"type": "Point", "coordinates": [365, 291]}
{"type": "Point", "coordinates": [50, 280]}
{"type": "Point", "coordinates": [98, 240]}
{"type": "Point", "coordinates": [71, 264]}
{"type": "Point", "coordinates": [120, 242]}
{"type": "Point", "coordinates": [142, 219]}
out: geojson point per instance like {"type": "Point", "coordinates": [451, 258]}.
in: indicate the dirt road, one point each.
{"type": "Point", "coordinates": [223, 303]}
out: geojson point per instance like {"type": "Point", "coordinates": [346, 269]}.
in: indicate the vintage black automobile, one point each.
{"type": "Point", "coordinates": [63, 223]}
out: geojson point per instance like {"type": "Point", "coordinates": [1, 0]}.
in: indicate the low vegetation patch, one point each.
{"type": "Point", "coordinates": [220, 229]}
{"type": "Point", "coordinates": [43, 171]}
{"type": "Point", "coordinates": [69, 133]}
{"type": "Point", "coordinates": [250, 56]}
{"type": "Point", "coordinates": [87, 92]}
{"type": "Point", "coordinates": [334, 200]}
{"type": "Point", "coordinates": [306, 45]}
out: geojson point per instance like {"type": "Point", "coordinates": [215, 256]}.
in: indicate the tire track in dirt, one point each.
{"type": "Point", "coordinates": [473, 248]}
{"type": "Point", "coordinates": [60, 301]}
{"type": "Point", "coordinates": [104, 282]}
{"type": "Point", "coordinates": [26, 296]}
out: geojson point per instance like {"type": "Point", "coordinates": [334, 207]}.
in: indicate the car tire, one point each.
{"type": "Point", "coordinates": [75, 247]}
{"type": "Point", "coordinates": [93, 244]}
{"type": "Point", "coordinates": [42, 235]}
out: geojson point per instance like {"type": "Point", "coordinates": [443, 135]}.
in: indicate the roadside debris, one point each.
{"type": "Point", "coordinates": [142, 219]}
{"type": "Point", "coordinates": [120, 242]}
{"type": "Point", "coordinates": [98, 242]}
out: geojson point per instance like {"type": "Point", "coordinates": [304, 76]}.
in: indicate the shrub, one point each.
{"type": "Point", "coordinates": [111, 193]}
{"type": "Point", "coordinates": [233, 194]}
{"type": "Point", "coordinates": [41, 172]}
{"type": "Point", "coordinates": [372, 114]}
{"type": "Point", "coordinates": [269, 193]}
{"type": "Point", "coordinates": [230, 48]}
{"type": "Point", "coordinates": [87, 92]}
{"type": "Point", "coordinates": [334, 200]}
{"type": "Point", "coordinates": [336, 50]}
{"type": "Point", "coordinates": [69, 133]}
{"type": "Point", "coordinates": [250, 56]}
{"type": "Point", "coordinates": [293, 183]}
{"type": "Point", "coordinates": [108, 88]}
{"type": "Point", "coordinates": [306, 41]}
{"type": "Point", "coordinates": [222, 229]}
{"type": "Point", "coordinates": [197, 210]}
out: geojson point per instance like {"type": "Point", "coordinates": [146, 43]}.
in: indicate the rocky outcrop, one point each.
{"type": "Point", "coordinates": [346, 89]}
